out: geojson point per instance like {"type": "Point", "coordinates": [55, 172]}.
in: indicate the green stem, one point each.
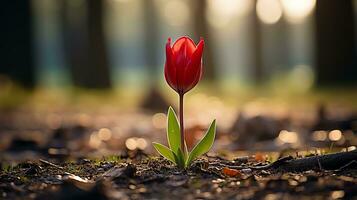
{"type": "Point", "coordinates": [182, 129]}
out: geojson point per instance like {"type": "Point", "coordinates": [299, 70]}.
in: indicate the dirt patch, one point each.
{"type": "Point", "coordinates": [145, 177]}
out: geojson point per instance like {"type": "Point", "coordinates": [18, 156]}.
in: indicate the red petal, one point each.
{"type": "Point", "coordinates": [188, 42]}
{"type": "Point", "coordinates": [197, 54]}
{"type": "Point", "coordinates": [170, 68]}
{"type": "Point", "coordinates": [181, 62]}
{"type": "Point", "coordinates": [195, 77]}
{"type": "Point", "coordinates": [169, 54]}
{"type": "Point", "coordinates": [193, 71]}
{"type": "Point", "coordinates": [170, 76]}
{"type": "Point", "coordinates": [182, 49]}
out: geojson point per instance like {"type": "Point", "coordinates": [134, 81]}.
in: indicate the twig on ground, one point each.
{"type": "Point", "coordinates": [353, 162]}
{"type": "Point", "coordinates": [50, 164]}
{"type": "Point", "coordinates": [275, 164]}
{"type": "Point", "coordinates": [318, 160]}
{"type": "Point", "coordinates": [327, 162]}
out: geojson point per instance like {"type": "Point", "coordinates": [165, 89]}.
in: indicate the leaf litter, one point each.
{"type": "Point", "coordinates": [210, 177]}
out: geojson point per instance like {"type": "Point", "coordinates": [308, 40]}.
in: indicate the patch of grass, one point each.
{"type": "Point", "coordinates": [24, 179]}
{"type": "Point", "coordinates": [73, 168]}
{"type": "Point", "coordinates": [7, 168]}
{"type": "Point", "coordinates": [113, 158]}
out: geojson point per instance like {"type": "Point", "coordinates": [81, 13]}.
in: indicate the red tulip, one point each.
{"type": "Point", "coordinates": [183, 67]}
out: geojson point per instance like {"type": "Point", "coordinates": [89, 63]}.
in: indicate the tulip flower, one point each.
{"type": "Point", "coordinates": [183, 67]}
{"type": "Point", "coordinates": [183, 70]}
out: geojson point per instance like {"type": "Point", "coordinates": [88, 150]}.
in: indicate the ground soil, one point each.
{"type": "Point", "coordinates": [141, 176]}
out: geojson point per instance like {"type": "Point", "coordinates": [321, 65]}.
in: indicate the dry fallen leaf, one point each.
{"type": "Point", "coordinates": [259, 157]}
{"type": "Point", "coordinates": [230, 172]}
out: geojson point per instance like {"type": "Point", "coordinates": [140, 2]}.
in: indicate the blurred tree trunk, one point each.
{"type": "Point", "coordinates": [16, 42]}
{"type": "Point", "coordinates": [151, 38]}
{"type": "Point", "coordinates": [154, 101]}
{"type": "Point", "coordinates": [335, 42]}
{"type": "Point", "coordinates": [84, 43]}
{"type": "Point", "coordinates": [201, 29]}
{"type": "Point", "coordinates": [257, 46]}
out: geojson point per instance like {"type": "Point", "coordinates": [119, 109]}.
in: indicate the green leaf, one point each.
{"type": "Point", "coordinates": [180, 159]}
{"type": "Point", "coordinates": [173, 131]}
{"type": "Point", "coordinates": [186, 151]}
{"type": "Point", "coordinates": [165, 152]}
{"type": "Point", "coordinates": [204, 145]}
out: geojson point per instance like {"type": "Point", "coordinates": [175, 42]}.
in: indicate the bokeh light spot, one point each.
{"type": "Point", "coordinates": [94, 140]}
{"type": "Point", "coordinates": [338, 194]}
{"type": "Point", "coordinates": [136, 143]}
{"type": "Point", "coordinates": [269, 11]}
{"type": "Point", "coordinates": [296, 11]}
{"type": "Point", "coordinates": [104, 134]}
{"type": "Point", "coordinates": [351, 148]}
{"type": "Point", "coordinates": [335, 135]}
{"type": "Point", "coordinates": [130, 143]}
{"type": "Point", "coordinates": [159, 120]}
{"type": "Point", "coordinates": [288, 137]}
{"type": "Point", "coordinates": [319, 135]}
{"type": "Point", "coordinates": [141, 143]}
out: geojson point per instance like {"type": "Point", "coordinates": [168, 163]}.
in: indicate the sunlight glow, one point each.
{"type": "Point", "coordinates": [221, 13]}
{"type": "Point", "coordinates": [120, 1]}
{"type": "Point", "coordinates": [76, 3]}
{"type": "Point", "coordinates": [54, 121]}
{"type": "Point", "coordinates": [296, 11]}
{"type": "Point", "coordinates": [176, 13]}
{"type": "Point", "coordinates": [269, 11]}
{"type": "Point", "coordinates": [302, 77]}
{"type": "Point", "coordinates": [83, 119]}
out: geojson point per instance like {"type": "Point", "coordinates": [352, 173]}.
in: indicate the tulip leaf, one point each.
{"type": "Point", "coordinates": [204, 145]}
{"type": "Point", "coordinates": [180, 159]}
{"type": "Point", "coordinates": [165, 152]}
{"type": "Point", "coordinates": [173, 131]}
